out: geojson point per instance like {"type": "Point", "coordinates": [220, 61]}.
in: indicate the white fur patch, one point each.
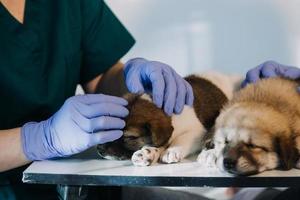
{"type": "Point", "coordinates": [186, 121]}
{"type": "Point", "coordinates": [188, 132]}
{"type": "Point", "coordinates": [110, 157]}
{"type": "Point", "coordinates": [146, 97]}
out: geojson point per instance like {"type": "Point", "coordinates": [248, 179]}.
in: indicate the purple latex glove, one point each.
{"type": "Point", "coordinates": [168, 89]}
{"type": "Point", "coordinates": [82, 122]}
{"type": "Point", "coordinates": [271, 69]}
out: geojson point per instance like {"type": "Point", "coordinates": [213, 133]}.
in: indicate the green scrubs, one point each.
{"type": "Point", "coordinates": [62, 43]}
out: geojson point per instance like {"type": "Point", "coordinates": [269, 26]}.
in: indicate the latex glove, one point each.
{"type": "Point", "coordinates": [271, 69]}
{"type": "Point", "coordinates": [82, 122]}
{"type": "Point", "coordinates": [168, 89]}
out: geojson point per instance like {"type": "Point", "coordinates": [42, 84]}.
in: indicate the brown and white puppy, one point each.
{"type": "Point", "coordinates": [150, 135]}
{"type": "Point", "coordinates": [258, 130]}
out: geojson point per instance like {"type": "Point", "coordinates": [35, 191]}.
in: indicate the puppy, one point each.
{"type": "Point", "coordinates": [150, 135]}
{"type": "Point", "coordinates": [258, 130]}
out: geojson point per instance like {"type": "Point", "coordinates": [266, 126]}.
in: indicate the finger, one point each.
{"type": "Point", "coordinates": [158, 87]}
{"type": "Point", "coordinates": [80, 121]}
{"type": "Point", "coordinates": [102, 109]}
{"type": "Point", "coordinates": [268, 70]}
{"type": "Point", "coordinates": [292, 73]}
{"type": "Point", "coordinates": [133, 78]}
{"type": "Point", "coordinates": [189, 94]}
{"type": "Point", "coordinates": [100, 98]}
{"type": "Point", "coordinates": [253, 75]}
{"type": "Point", "coordinates": [170, 92]}
{"type": "Point", "coordinates": [105, 136]}
{"type": "Point", "coordinates": [244, 83]}
{"type": "Point", "coordinates": [98, 123]}
{"type": "Point", "coordinates": [106, 123]}
{"type": "Point", "coordinates": [134, 83]}
{"type": "Point", "coordinates": [181, 93]}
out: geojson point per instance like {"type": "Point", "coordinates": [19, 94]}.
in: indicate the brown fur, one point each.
{"type": "Point", "coordinates": [146, 120]}
{"type": "Point", "coordinates": [209, 100]}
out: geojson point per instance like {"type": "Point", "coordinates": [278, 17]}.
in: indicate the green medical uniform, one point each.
{"type": "Point", "coordinates": [61, 43]}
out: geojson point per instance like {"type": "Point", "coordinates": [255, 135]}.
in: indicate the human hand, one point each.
{"type": "Point", "coordinates": [82, 122]}
{"type": "Point", "coordinates": [168, 89]}
{"type": "Point", "coordinates": [271, 69]}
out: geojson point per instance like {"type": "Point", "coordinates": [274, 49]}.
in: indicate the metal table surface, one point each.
{"type": "Point", "coordinates": [93, 171]}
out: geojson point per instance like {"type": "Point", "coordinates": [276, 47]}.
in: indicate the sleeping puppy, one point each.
{"type": "Point", "coordinates": [150, 135]}
{"type": "Point", "coordinates": [258, 130]}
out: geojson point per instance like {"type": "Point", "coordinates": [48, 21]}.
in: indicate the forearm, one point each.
{"type": "Point", "coordinates": [11, 152]}
{"type": "Point", "coordinates": [111, 82]}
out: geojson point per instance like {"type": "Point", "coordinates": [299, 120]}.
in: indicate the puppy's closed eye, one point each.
{"type": "Point", "coordinates": [254, 146]}
{"type": "Point", "coordinates": [131, 137]}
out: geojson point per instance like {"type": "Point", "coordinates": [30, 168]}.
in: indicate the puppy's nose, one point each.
{"type": "Point", "coordinates": [229, 163]}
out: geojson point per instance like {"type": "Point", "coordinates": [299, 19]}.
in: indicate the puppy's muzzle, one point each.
{"type": "Point", "coordinates": [230, 159]}
{"type": "Point", "coordinates": [229, 164]}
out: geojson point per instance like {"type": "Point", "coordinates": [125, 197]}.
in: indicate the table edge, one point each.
{"type": "Point", "coordinates": [106, 180]}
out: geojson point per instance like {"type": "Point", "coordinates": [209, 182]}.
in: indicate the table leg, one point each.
{"type": "Point", "coordinates": [67, 192]}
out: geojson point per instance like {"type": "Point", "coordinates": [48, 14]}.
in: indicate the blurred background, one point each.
{"type": "Point", "coordinates": [197, 35]}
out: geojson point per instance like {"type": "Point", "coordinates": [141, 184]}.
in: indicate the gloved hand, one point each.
{"type": "Point", "coordinates": [82, 122]}
{"type": "Point", "coordinates": [271, 69]}
{"type": "Point", "coordinates": [168, 89]}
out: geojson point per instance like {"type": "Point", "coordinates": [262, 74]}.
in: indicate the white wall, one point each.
{"type": "Point", "coordinates": [195, 35]}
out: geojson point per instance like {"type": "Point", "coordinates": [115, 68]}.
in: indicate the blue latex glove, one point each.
{"type": "Point", "coordinates": [168, 89]}
{"type": "Point", "coordinates": [82, 122]}
{"type": "Point", "coordinates": [271, 69]}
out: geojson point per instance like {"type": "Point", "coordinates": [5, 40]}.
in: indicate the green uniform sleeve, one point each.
{"type": "Point", "coordinates": [104, 39]}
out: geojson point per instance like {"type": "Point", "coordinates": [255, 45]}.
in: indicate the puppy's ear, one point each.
{"type": "Point", "coordinates": [130, 97]}
{"type": "Point", "coordinates": [160, 132]}
{"type": "Point", "coordinates": [287, 154]}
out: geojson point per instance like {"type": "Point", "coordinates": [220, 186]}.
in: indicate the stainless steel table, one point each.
{"type": "Point", "coordinates": [78, 172]}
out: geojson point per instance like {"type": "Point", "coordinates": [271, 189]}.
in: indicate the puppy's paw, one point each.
{"type": "Point", "coordinates": [207, 158]}
{"type": "Point", "coordinates": [145, 157]}
{"type": "Point", "coordinates": [171, 155]}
